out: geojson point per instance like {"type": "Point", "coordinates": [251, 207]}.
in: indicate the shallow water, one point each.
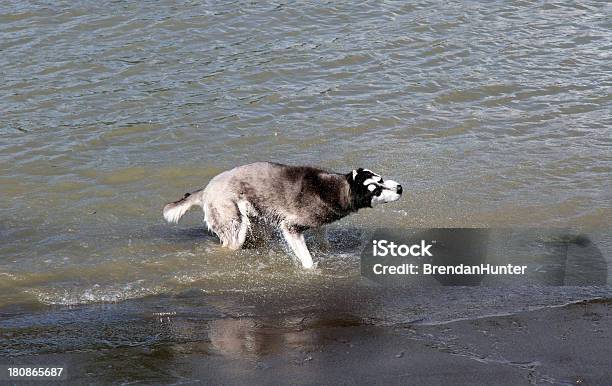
{"type": "Point", "coordinates": [488, 114]}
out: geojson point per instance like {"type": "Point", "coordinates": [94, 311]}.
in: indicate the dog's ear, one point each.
{"type": "Point", "coordinates": [355, 172]}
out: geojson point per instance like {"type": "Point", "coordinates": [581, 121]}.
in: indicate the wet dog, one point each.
{"type": "Point", "coordinates": [293, 198]}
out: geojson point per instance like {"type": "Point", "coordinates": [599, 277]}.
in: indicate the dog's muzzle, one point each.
{"type": "Point", "coordinates": [392, 192]}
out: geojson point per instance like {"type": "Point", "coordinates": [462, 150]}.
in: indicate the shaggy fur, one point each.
{"type": "Point", "coordinates": [293, 198]}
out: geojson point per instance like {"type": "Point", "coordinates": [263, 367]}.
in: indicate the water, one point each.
{"type": "Point", "coordinates": [489, 114]}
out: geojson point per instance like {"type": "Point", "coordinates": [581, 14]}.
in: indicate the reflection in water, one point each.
{"type": "Point", "coordinates": [245, 338]}
{"type": "Point", "coordinates": [172, 340]}
{"type": "Point", "coordinates": [257, 337]}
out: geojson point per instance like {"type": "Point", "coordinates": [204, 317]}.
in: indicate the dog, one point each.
{"type": "Point", "coordinates": [292, 198]}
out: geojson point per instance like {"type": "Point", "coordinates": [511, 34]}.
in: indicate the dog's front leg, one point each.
{"type": "Point", "coordinates": [297, 243]}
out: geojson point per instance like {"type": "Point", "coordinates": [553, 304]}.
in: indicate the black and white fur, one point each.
{"type": "Point", "coordinates": [294, 198]}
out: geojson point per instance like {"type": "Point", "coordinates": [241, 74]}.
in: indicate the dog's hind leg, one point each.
{"type": "Point", "coordinates": [228, 221]}
{"type": "Point", "coordinates": [245, 225]}
{"type": "Point", "coordinates": [296, 241]}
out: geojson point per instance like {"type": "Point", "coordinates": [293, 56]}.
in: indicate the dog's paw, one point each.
{"type": "Point", "coordinates": [311, 267]}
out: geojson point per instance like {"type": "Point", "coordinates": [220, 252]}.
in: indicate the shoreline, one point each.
{"type": "Point", "coordinates": [565, 344]}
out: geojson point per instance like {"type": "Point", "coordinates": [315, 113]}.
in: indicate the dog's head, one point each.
{"type": "Point", "coordinates": [369, 189]}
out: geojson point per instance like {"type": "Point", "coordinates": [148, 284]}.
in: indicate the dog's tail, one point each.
{"type": "Point", "coordinates": [173, 211]}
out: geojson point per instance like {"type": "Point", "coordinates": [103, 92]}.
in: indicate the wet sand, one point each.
{"type": "Point", "coordinates": [560, 345]}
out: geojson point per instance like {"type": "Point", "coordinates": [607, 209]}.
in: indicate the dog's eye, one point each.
{"type": "Point", "coordinates": [372, 180]}
{"type": "Point", "coordinates": [375, 190]}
